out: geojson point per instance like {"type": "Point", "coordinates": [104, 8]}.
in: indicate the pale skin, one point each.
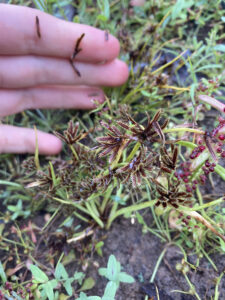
{"type": "Point", "coordinates": [35, 72]}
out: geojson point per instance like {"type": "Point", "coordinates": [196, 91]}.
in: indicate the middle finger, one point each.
{"type": "Point", "coordinates": [28, 71]}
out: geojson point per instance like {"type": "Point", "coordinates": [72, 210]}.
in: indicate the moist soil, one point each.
{"type": "Point", "coordinates": [138, 254]}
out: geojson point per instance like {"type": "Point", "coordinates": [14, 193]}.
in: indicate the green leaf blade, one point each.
{"type": "Point", "coordinates": [112, 268]}
{"type": "Point", "coordinates": [110, 291]}
{"type": "Point", "coordinates": [2, 274]}
{"type": "Point", "coordinates": [48, 288]}
{"type": "Point", "coordinates": [60, 272]}
{"type": "Point", "coordinates": [38, 274]}
{"type": "Point", "coordinates": [124, 277]}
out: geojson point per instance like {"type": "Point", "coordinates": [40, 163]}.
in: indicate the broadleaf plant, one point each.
{"type": "Point", "coordinates": [46, 287]}
{"type": "Point", "coordinates": [113, 274]}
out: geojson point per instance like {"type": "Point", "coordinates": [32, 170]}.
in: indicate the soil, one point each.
{"type": "Point", "coordinates": [138, 254]}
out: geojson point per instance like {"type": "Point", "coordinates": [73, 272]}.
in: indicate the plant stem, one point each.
{"type": "Point", "coordinates": [79, 216]}
{"type": "Point", "coordinates": [209, 259]}
{"type": "Point", "coordinates": [199, 195]}
{"type": "Point", "coordinates": [164, 18]}
{"type": "Point", "coordinates": [213, 102]}
{"type": "Point", "coordinates": [216, 297]}
{"type": "Point", "coordinates": [93, 207]}
{"type": "Point", "coordinates": [133, 152]}
{"type": "Point", "coordinates": [174, 88]}
{"type": "Point", "coordinates": [93, 215]}
{"type": "Point", "coordinates": [133, 92]}
{"type": "Point", "coordinates": [220, 171]}
{"type": "Point", "coordinates": [5, 182]}
{"type": "Point", "coordinates": [199, 207]}
{"type": "Point", "coordinates": [74, 152]}
{"type": "Point", "coordinates": [53, 174]}
{"type": "Point", "coordinates": [118, 156]}
{"type": "Point", "coordinates": [168, 64]}
{"type": "Point", "coordinates": [16, 243]}
{"type": "Point", "coordinates": [81, 235]}
{"type": "Point", "coordinates": [113, 210]}
{"type": "Point", "coordinates": [129, 209]}
{"type": "Point", "coordinates": [181, 248]}
{"type": "Point", "coordinates": [183, 129]}
{"type": "Point", "coordinates": [191, 287]}
{"type": "Point", "coordinates": [201, 219]}
{"type": "Point", "coordinates": [52, 217]}
{"type": "Point", "coordinates": [157, 264]}
{"type": "Point", "coordinates": [106, 199]}
{"type": "Point", "coordinates": [78, 206]}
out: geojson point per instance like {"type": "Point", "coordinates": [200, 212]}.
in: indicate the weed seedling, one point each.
{"type": "Point", "coordinates": [115, 276]}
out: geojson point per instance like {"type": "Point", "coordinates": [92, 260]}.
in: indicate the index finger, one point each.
{"type": "Point", "coordinates": [24, 31]}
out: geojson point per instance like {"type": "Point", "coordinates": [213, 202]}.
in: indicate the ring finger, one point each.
{"type": "Point", "coordinates": [27, 71]}
{"type": "Point", "coordinates": [16, 100]}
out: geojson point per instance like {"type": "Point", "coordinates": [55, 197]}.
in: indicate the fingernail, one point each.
{"type": "Point", "coordinates": [102, 62]}
{"type": "Point", "coordinates": [96, 102]}
{"type": "Point", "coordinates": [94, 94]}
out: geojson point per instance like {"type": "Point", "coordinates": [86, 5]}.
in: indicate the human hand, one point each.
{"type": "Point", "coordinates": [36, 71]}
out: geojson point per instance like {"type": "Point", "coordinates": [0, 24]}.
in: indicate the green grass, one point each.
{"type": "Point", "coordinates": [162, 31]}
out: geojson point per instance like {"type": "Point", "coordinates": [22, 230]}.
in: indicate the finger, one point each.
{"type": "Point", "coordinates": [26, 71]}
{"type": "Point", "coordinates": [19, 36]}
{"type": "Point", "coordinates": [22, 140]}
{"type": "Point", "coordinates": [137, 2]}
{"type": "Point", "coordinates": [14, 101]}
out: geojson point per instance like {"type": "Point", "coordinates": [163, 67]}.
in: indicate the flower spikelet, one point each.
{"type": "Point", "coordinates": [138, 168]}
{"type": "Point", "coordinates": [114, 142]}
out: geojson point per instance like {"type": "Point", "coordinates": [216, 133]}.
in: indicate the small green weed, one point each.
{"type": "Point", "coordinates": [42, 287]}
{"type": "Point", "coordinates": [115, 276]}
